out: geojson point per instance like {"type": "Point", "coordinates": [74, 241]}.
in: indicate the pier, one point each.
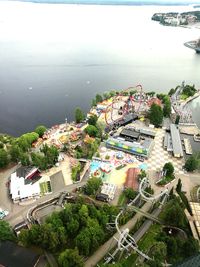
{"type": "Point", "coordinates": [195, 45]}
{"type": "Point", "coordinates": [187, 146]}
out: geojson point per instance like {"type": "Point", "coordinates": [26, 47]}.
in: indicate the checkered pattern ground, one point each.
{"type": "Point", "coordinates": [159, 156]}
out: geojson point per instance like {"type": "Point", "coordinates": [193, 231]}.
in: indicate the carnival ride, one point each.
{"type": "Point", "coordinates": [126, 242]}
{"type": "Point", "coordinates": [123, 104]}
{"type": "Point", "coordinates": [149, 197]}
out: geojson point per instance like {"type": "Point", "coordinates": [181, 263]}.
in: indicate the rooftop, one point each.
{"type": "Point", "coordinates": [176, 140]}
{"type": "Point", "coordinates": [130, 133]}
{"type": "Point", "coordinates": [20, 190]}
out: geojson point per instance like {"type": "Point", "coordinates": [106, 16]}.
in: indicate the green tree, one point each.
{"type": "Point", "coordinates": [159, 251]}
{"type": "Point", "coordinates": [169, 169]}
{"type": "Point", "coordinates": [25, 238]}
{"type": "Point", "coordinates": [156, 115]}
{"type": "Point", "coordinates": [130, 193]}
{"type": "Point", "coordinates": [189, 90]}
{"type": "Point", "coordinates": [70, 258]}
{"type": "Point", "coordinates": [99, 98]}
{"type": "Point", "coordinates": [141, 175]}
{"type": "Point", "coordinates": [39, 161]}
{"type": "Point", "coordinates": [51, 154]}
{"type": "Point", "coordinates": [171, 92]}
{"type": "Point", "coordinates": [24, 159]}
{"type": "Point", "coordinates": [92, 120]}
{"type": "Point", "coordinates": [97, 234]}
{"type": "Point", "coordinates": [6, 232]}
{"type": "Point", "coordinates": [23, 144]}
{"type": "Point", "coordinates": [190, 247]}
{"type": "Point", "coordinates": [106, 95]}
{"type": "Point", "coordinates": [93, 185]}
{"type": "Point", "coordinates": [30, 137]}
{"type": "Point", "coordinates": [112, 93]}
{"type": "Point", "coordinates": [191, 164]}
{"type": "Point", "coordinates": [76, 172]}
{"type": "Point", "coordinates": [167, 106]}
{"type": "Point", "coordinates": [79, 115]}
{"type": "Point", "coordinates": [173, 214]}
{"type": "Point", "coordinates": [91, 130]}
{"type": "Point", "coordinates": [83, 212]}
{"type": "Point", "coordinates": [15, 152]}
{"type": "Point", "coordinates": [83, 242]}
{"type": "Point", "coordinates": [179, 186]}
{"type": "Point", "coordinates": [3, 158]}
{"type": "Point", "coordinates": [73, 227]}
{"type": "Point", "coordinates": [40, 130]}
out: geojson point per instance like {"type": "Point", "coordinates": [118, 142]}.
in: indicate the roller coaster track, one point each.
{"type": "Point", "coordinates": [145, 214]}
{"type": "Point", "coordinates": [125, 109]}
{"type": "Point", "coordinates": [146, 196]}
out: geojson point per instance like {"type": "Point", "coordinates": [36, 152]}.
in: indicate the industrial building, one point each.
{"type": "Point", "coordinates": [142, 148]}
{"type": "Point", "coordinates": [133, 134]}
{"type": "Point", "coordinates": [172, 141]}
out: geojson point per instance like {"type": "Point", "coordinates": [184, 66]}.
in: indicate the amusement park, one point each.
{"type": "Point", "coordinates": [121, 176]}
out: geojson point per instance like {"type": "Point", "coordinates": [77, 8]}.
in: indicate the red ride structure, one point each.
{"type": "Point", "coordinates": [126, 107]}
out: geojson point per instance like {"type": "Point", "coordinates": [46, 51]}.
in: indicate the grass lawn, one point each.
{"type": "Point", "coordinates": [150, 237]}
{"type": "Point", "coordinates": [45, 187]}
{"type": "Point", "coordinates": [122, 199]}
{"type": "Point", "coordinates": [184, 97]}
{"type": "Point", "coordinates": [148, 240]}
{"type": "Point", "coordinates": [166, 180]}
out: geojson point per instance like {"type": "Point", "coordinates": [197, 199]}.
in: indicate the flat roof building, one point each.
{"type": "Point", "coordinates": [130, 134]}
{"type": "Point", "coordinates": [131, 179]}
{"type": "Point", "coordinates": [141, 149]}
{"type": "Point", "coordinates": [19, 190]}
{"type": "Point", "coordinates": [176, 141]}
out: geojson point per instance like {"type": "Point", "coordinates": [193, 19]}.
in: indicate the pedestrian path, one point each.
{"type": "Point", "coordinates": [159, 156]}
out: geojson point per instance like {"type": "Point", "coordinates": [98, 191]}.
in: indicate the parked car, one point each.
{"type": "Point", "coordinates": [3, 213]}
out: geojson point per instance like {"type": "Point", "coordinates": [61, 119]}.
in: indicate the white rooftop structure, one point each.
{"type": "Point", "coordinates": [21, 191]}
{"type": "Point", "coordinates": [176, 141]}
{"type": "Point", "coordinates": [109, 190]}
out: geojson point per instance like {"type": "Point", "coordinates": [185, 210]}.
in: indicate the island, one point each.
{"type": "Point", "coordinates": [177, 19]}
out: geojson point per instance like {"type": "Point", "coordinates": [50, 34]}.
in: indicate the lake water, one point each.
{"type": "Point", "coordinates": [54, 58]}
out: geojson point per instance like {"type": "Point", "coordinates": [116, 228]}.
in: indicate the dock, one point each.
{"type": "Point", "coordinates": [187, 146]}
{"type": "Point", "coordinates": [191, 129]}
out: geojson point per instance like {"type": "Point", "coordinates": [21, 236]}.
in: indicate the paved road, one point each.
{"type": "Point", "coordinates": [18, 213]}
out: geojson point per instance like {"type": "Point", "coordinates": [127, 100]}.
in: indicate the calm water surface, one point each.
{"type": "Point", "coordinates": [54, 58]}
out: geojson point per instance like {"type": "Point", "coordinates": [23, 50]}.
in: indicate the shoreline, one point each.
{"type": "Point", "coordinates": [104, 2]}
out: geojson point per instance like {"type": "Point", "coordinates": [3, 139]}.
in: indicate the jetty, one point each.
{"type": "Point", "coordinates": [187, 146]}
{"type": "Point", "coordinates": [193, 45]}
{"type": "Point", "coordinates": [197, 137]}
{"type": "Point", "coordinates": [191, 129]}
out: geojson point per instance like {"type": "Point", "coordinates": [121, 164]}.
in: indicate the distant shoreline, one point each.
{"type": "Point", "coordinates": [106, 2]}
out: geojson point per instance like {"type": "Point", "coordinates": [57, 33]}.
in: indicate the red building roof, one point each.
{"type": "Point", "coordinates": [131, 179]}
{"type": "Point", "coordinates": [155, 100]}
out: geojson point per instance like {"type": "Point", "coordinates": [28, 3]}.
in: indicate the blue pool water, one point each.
{"type": "Point", "coordinates": [143, 166]}
{"type": "Point", "coordinates": [95, 165]}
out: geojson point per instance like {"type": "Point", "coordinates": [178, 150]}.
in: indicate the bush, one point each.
{"type": "Point", "coordinates": [191, 164]}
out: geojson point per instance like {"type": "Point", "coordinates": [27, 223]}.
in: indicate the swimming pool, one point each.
{"type": "Point", "coordinates": [143, 166]}
{"type": "Point", "coordinates": [95, 165]}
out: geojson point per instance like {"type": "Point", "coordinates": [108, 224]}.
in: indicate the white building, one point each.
{"type": "Point", "coordinates": [21, 191]}
{"type": "Point", "coordinates": [109, 190]}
